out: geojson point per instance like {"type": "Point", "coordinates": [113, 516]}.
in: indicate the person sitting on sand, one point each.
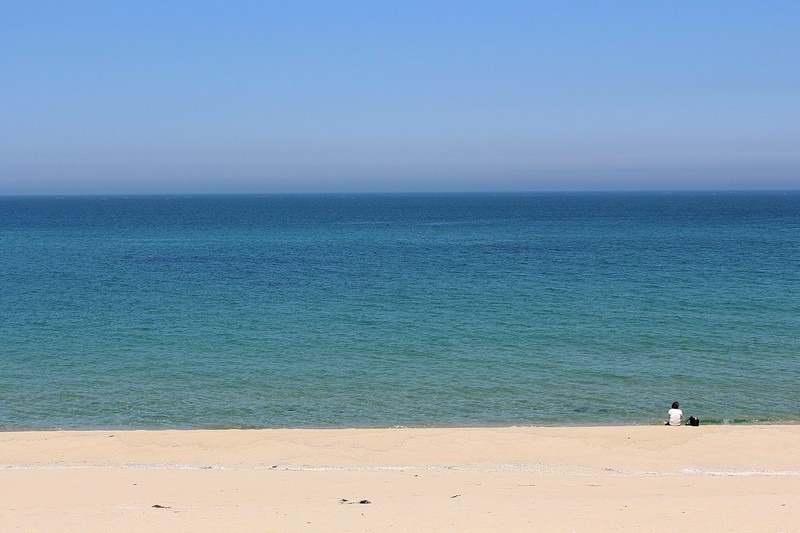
{"type": "Point", "coordinates": [674, 415]}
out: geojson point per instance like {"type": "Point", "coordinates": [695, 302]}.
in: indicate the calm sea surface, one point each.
{"type": "Point", "coordinates": [384, 310]}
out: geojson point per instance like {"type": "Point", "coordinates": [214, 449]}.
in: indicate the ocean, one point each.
{"type": "Point", "coordinates": [369, 310]}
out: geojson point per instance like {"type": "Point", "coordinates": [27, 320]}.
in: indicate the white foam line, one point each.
{"type": "Point", "coordinates": [124, 466]}
{"type": "Point", "coordinates": [535, 468]}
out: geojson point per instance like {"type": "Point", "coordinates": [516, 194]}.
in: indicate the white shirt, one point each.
{"type": "Point", "coordinates": [675, 417]}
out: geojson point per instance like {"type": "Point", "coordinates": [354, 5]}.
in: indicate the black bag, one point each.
{"type": "Point", "coordinates": [693, 421]}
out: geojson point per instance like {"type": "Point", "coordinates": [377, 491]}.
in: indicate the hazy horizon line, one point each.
{"type": "Point", "coordinates": [404, 193]}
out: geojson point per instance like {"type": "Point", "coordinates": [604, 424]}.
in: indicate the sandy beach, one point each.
{"type": "Point", "coordinates": [718, 478]}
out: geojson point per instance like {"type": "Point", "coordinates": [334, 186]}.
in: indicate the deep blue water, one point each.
{"type": "Point", "coordinates": [383, 310]}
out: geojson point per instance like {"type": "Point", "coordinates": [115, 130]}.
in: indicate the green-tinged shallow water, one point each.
{"type": "Point", "coordinates": [383, 310]}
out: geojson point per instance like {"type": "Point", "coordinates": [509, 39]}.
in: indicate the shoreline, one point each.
{"type": "Point", "coordinates": [704, 422]}
{"type": "Point", "coordinates": [731, 477]}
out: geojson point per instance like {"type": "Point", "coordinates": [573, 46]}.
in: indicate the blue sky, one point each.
{"type": "Point", "coordinates": [342, 96]}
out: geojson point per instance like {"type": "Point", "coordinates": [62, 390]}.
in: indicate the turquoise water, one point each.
{"type": "Point", "coordinates": [384, 310]}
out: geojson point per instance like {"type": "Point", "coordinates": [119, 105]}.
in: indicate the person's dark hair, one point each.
{"type": "Point", "coordinates": [675, 405]}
